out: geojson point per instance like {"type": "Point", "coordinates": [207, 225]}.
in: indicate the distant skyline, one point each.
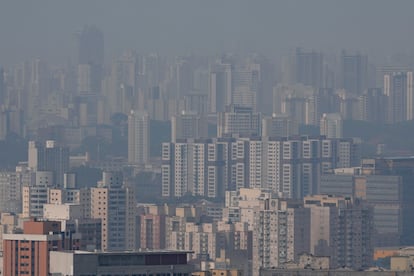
{"type": "Point", "coordinates": [45, 28]}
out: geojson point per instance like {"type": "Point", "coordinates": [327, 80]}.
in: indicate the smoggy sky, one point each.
{"type": "Point", "coordinates": [45, 28]}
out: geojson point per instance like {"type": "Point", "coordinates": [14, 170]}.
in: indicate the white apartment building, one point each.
{"type": "Point", "coordinates": [290, 167]}
{"type": "Point", "coordinates": [35, 195]}
{"type": "Point", "coordinates": [279, 234]}
{"type": "Point", "coordinates": [199, 167]}
{"type": "Point", "coordinates": [138, 137]}
{"type": "Point", "coordinates": [398, 87]}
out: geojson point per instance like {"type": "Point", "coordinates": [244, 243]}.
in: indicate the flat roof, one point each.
{"type": "Point", "coordinates": [143, 252]}
{"type": "Point", "coordinates": [31, 237]}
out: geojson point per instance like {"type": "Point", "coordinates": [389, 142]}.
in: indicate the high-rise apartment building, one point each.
{"type": "Point", "coordinates": [220, 87]}
{"type": "Point", "coordinates": [121, 93]}
{"type": "Point", "coordinates": [293, 166]}
{"type": "Point", "coordinates": [184, 77]}
{"type": "Point", "coordinates": [308, 68]}
{"type": "Point", "coordinates": [246, 86]}
{"type": "Point", "coordinates": [38, 89]}
{"type": "Point", "coordinates": [354, 73]}
{"type": "Point", "coordinates": [279, 234]}
{"type": "Point", "coordinates": [279, 125]}
{"type": "Point", "coordinates": [199, 167]}
{"type": "Point", "coordinates": [156, 105]}
{"type": "Point", "coordinates": [289, 166]}
{"type": "Point", "coordinates": [196, 102]}
{"type": "Point", "coordinates": [90, 42]}
{"type": "Point", "coordinates": [138, 137]}
{"type": "Point", "coordinates": [231, 84]}
{"type": "Point", "coordinates": [320, 225]}
{"type": "Point", "coordinates": [331, 125]}
{"type": "Point", "coordinates": [2, 88]}
{"type": "Point", "coordinates": [11, 184]}
{"type": "Point", "coordinates": [341, 228]}
{"type": "Point", "coordinates": [373, 106]}
{"type": "Point", "coordinates": [49, 157]}
{"type": "Point", "coordinates": [114, 204]}
{"type": "Point", "coordinates": [90, 46]}
{"type": "Point", "coordinates": [188, 125]}
{"type": "Point", "coordinates": [238, 120]}
{"type": "Point", "coordinates": [398, 87]}
{"type": "Point", "coordinates": [305, 104]}
{"type": "Point", "coordinates": [35, 193]}
{"type": "Point", "coordinates": [325, 101]}
{"type": "Point", "coordinates": [296, 108]}
{"type": "Point", "coordinates": [90, 60]}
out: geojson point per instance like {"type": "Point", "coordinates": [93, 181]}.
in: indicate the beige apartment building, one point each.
{"type": "Point", "coordinates": [114, 204]}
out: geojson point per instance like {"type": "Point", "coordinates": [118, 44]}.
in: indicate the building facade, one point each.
{"type": "Point", "coordinates": [28, 253]}
{"type": "Point", "coordinates": [138, 137]}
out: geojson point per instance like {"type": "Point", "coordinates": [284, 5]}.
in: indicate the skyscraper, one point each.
{"type": "Point", "coordinates": [49, 157]}
{"type": "Point", "coordinates": [220, 87]}
{"type": "Point", "coordinates": [2, 88]}
{"type": "Point", "coordinates": [398, 86]}
{"type": "Point", "coordinates": [246, 85]}
{"type": "Point", "coordinates": [308, 68]}
{"type": "Point", "coordinates": [90, 59]}
{"type": "Point", "coordinates": [184, 77]}
{"type": "Point", "coordinates": [90, 46]}
{"type": "Point", "coordinates": [138, 137]}
{"type": "Point", "coordinates": [121, 92]}
{"type": "Point", "coordinates": [354, 73]}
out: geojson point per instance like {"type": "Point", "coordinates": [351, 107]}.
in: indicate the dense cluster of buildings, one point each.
{"type": "Point", "coordinates": [291, 166]}
{"type": "Point", "coordinates": [77, 101]}
{"type": "Point", "coordinates": [256, 176]}
{"type": "Point", "coordinates": [274, 199]}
